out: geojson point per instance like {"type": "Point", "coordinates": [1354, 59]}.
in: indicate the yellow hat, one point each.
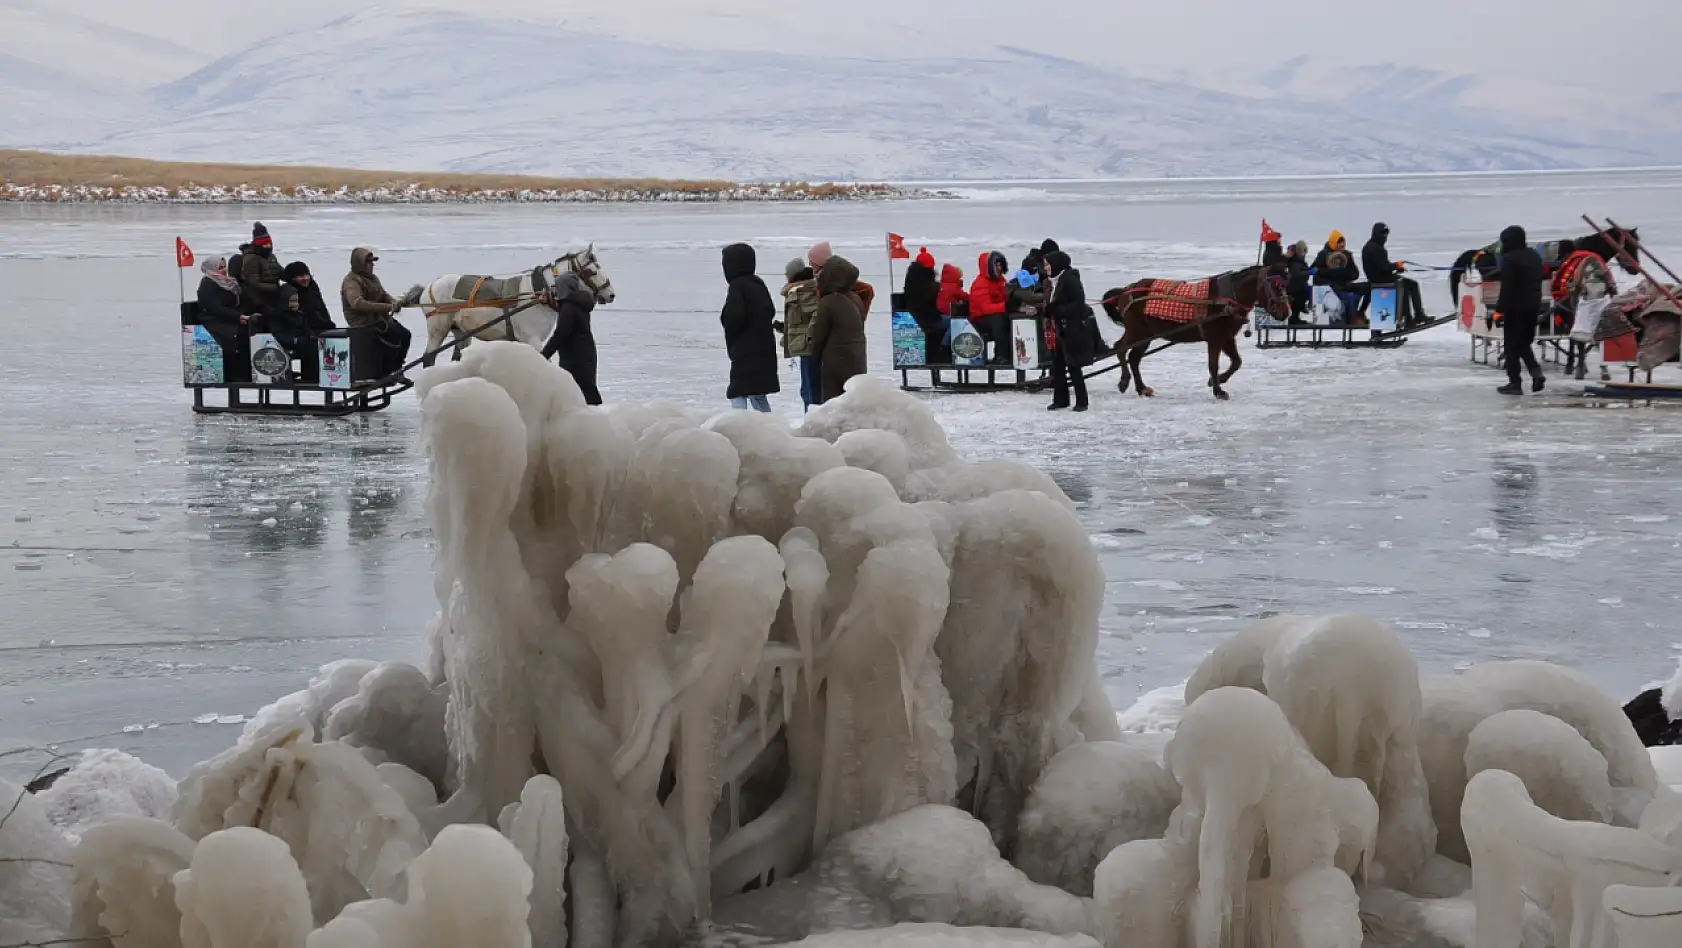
{"type": "Point", "coordinates": [1335, 239]}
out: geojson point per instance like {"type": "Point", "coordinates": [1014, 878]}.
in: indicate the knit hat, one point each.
{"type": "Point", "coordinates": [819, 254]}
{"type": "Point", "coordinates": [1049, 247]}
{"type": "Point", "coordinates": [296, 269]}
{"type": "Point", "coordinates": [794, 268]}
{"type": "Point", "coordinates": [1301, 247]}
{"type": "Point", "coordinates": [260, 236]}
{"type": "Point", "coordinates": [924, 258]}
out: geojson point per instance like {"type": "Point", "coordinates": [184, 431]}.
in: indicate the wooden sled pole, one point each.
{"type": "Point", "coordinates": [1635, 257]}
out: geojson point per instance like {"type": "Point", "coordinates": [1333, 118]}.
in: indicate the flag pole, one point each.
{"type": "Point", "coordinates": [888, 243]}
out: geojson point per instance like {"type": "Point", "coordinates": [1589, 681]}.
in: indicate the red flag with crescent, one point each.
{"type": "Point", "coordinates": [183, 254]}
{"type": "Point", "coordinates": [896, 248]}
{"type": "Point", "coordinates": [1268, 233]}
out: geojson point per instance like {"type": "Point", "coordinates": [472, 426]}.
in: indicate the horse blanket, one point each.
{"type": "Point", "coordinates": [492, 291]}
{"type": "Point", "coordinates": [1185, 302]}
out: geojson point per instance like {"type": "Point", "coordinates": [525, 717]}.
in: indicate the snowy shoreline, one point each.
{"type": "Point", "coordinates": [756, 193]}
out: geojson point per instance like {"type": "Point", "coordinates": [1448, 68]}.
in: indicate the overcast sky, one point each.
{"type": "Point", "coordinates": [1600, 44]}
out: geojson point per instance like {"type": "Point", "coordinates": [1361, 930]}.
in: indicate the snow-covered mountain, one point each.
{"type": "Point", "coordinates": [430, 89]}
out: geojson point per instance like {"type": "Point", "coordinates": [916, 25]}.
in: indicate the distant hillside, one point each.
{"type": "Point", "coordinates": [466, 93]}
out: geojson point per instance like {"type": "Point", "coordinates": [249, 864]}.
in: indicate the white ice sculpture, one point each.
{"type": "Point", "coordinates": [242, 890]}
{"type": "Point", "coordinates": [1090, 799]}
{"type": "Point", "coordinates": [1351, 689]}
{"type": "Point", "coordinates": [396, 716]}
{"type": "Point", "coordinates": [872, 403]}
{"type": "Point", "coordinates": [1519, 850]}
{"type": "Point", "coordinates": [124, 894]}
{"type": "Point", "coordinates": [103, 785]}
{"type": "Point", "coordinates": [34, 871]}
{"type": "Point", "coordinates": [351, 833]}
{"type": "Point", "coordinates": [933, 864]}
{"type": "Point", "coordinates": [537, 828]}
{"type": "Point", "coordinates": [935, 935]}
{"type": "Point", "coordinates": [470, 888]}
{"type": "Point", "coordinates": [1562, 772]}
{"type": "Point", "coordinates": [1455, 705]}
{"type": "Point", "coordinates": [1644, 916]}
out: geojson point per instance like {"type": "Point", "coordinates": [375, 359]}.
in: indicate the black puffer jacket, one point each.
{"type": "Point", "coordinates": [261, 274]}
{"type": "Point", "coordinates": [1069, 312]}
{"type": "Point", "coordinates": [1375, 258]}
{"type": "Point", "coordinates": [1521, 277]}
{"type": "Point", "coordinates": [748, 333]}
{"type": "Point", "coordinates": [312, 306]}
{"type": "Point", "coordinates": [922, 295]}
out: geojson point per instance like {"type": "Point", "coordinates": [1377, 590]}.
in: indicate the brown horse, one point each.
{"type": "Point", "coordinates": [1216, 320]}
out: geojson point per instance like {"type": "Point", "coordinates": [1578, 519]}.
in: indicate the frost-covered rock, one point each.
{"type": "Point", "coordinates": [103, 785]}
{"type": "Point", "coordinates": [124, 891]}
{"type": "Point", "coordinates": [242, 890]}
{"type": "Point", "coordinates": [1563, 773]}
{"type": "Point", "coordinates": [396, 716]}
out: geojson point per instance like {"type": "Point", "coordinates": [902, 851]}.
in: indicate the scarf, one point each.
{"type": "Point", "coordinates": [217, 269]}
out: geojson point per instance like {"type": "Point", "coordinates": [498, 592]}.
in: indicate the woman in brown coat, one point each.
{"type": "Point", "coordinates": [837, 338]}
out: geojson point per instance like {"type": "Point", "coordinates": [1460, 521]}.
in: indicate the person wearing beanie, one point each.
{"type": "Point", "coordinates": [1519, 307]}
{"type": "Point", "coordinates": [922, 301]}
{"type": "Point", "coordinates": [300, 285]}
{"type": "Point", "coordinates": [819, 255]}
{"type": "Point", "coordinates": [800, 307]}
{"type": "Point", "coordinates": [749, 335]}
{"type": "Point", "coordinates": [261, 274]}
{"type": "Point", "coordinates": [1070, 317]}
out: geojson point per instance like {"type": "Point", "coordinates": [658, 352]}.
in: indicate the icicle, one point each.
{"type": "Point", "coordinates": [763, 680]}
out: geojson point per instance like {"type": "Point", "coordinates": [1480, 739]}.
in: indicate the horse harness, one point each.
{"type": "Point", "coordinates": [1220, 293]}
{"type": "Point", "coordinates": [510, 306]}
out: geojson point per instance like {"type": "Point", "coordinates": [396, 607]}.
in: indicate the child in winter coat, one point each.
{"type": "Point", "coordinates": [951, 289]}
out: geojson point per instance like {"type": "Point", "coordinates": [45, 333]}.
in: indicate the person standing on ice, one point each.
{"type": "Point", "coordinates": [1068, 313]}
{"type": "Point", "coordinates": [800, 307]}
{"type": "Point", "coordinates": [821, 254]}
{"type": "Point", "coordinates": [367, 305]}
{"type": "Point", "coordinates": [1520, 306]}
{"type": "Point", "coordinates": [838, 330]}
{"type": "Point", "coordinates": [749, 335]}
{"type": "Point", "coordinates": [572, 345]}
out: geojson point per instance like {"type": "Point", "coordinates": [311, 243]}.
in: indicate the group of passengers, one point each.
{"type": "Point", "coordinates": [254, 291]}
{"type": "Point", "coordinates": [1335, 267]}
{"type": "Point", "coordinates": [1045, 285]}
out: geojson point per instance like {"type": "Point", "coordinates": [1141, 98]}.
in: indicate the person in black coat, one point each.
{"type": "Point", "coordinates": [312, 306]}
{"type": "Point", "coordinates": [1520, 306]}
{"type": "Point", "coordinates": [1069, 315]}
{"type": "Point", "coordinates": [572, 345]}
{"type": "Point", "coordinates": [1296, 280]}
{"type": "Point", "coordinates": [221, 315]}
{"type": "Point", "coordinates": [1375, 260]}
{"type": "Point", "coordinates": [260, 273]}
{"type": "Point", "coordinates": [749, 336]}
{"type": "Point", "coordinates": [922, 301]}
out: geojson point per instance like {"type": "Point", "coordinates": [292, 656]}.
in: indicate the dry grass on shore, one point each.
{"type": "Point", "coordinates": [42, 169]}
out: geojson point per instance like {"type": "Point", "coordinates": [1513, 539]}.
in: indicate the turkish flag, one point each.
{"type": "Point", "coordinates": [1268, 233]}
{"type": "Point", "coordinates": [896, 248]}
{"type": "Point", "coordinates": [183, 254]}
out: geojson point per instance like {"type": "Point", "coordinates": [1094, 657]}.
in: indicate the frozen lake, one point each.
{"type": "Point", "coordinates": [161, 568]}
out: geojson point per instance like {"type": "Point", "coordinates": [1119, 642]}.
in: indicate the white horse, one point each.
{"type": "Point", "coordinates": [467, 305]}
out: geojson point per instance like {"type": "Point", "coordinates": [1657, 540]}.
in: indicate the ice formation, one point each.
{"type": "Point", "coordinates": [689, 667]}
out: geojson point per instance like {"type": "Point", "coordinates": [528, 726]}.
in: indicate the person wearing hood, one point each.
{"type": "Point", "coordinates": [221, 314]}
{"type": "Point", "coordinates": [312, 306]}
{"type": "Point", "coordinates": [800, 307]}
{"type": "Point", "coordinates": [821, 254]}
{"type": "Point", "coordinates": [1519, 306]}
{"type": "Point", "coordinates": [367, 305]}
{"type": "Point", "coordinates": [1296, 280]}
{"type": "Point", "coordinates": [989, 301]}
{"type": "Point", "coordinates": [261, 275]}
{"type": "Point", "coordinates": [572, 345]}
{"type": "Point", "coordinates": [952, 290]}
{"type": "Point", "coordinates": [1335, 267]}
{"type": "Point", "coordinates": [838, 340]}
{"type": "Point", "coordinates": [1273, 253]}
{"type": "Point", "coordinates": [749, 334]}
{"type": "Point", "coordinates": [1375, 260]}
{"type": "Point", "coordinates": [1069, 315]}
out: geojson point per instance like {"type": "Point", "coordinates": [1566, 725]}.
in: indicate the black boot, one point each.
{"type": "Point", "coordinates": [1511, 388]}
{"type": "Point", "coordinates": [1081, 407]}
{"type": "Point", "coordinates": [1057, 406]}
{"type": "Point", "coordinates": [1537, 382]}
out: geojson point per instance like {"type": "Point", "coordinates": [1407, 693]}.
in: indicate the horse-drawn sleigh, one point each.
{"type": "Point", "coordinates": [343, 371]}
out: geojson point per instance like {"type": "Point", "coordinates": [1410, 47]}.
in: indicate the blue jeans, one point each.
{"type": "Point", "coordinates": [756, 402]}
{"type": "Point", "coordinates": [811, 384]}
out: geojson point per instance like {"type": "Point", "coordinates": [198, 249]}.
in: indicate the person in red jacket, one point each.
{"type": "Point", "coordinates": [951, 289]}
{"type": "Point", "coordinates": [987, 304]}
